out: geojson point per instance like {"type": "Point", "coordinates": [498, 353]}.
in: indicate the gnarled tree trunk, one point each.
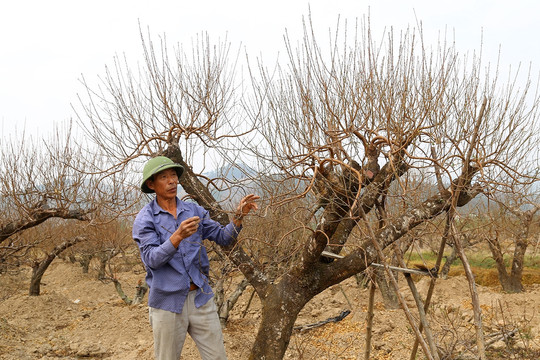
{"type": "Point", "coordinates": [512, 282]}
{"type": "Point", "coordinates": [282, 301]}
{"type": "Point", "coordinates": [39, 268]}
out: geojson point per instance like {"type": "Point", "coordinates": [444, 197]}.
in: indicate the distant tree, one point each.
{"type": "Point", "coordinates": [344, 128]}
{"type": "Point", "coordinates": [110, 237]}
{"type": "Point", "coordinates": [40, 266]}
{"type": "Point", "coordinates": [511, 230]}
{"type": "Point", "coordinates": [108, 241]}
{"type": "Point", "coordinates": [43, 187]}
{"type": "Point", "coordinates": [39, 182]}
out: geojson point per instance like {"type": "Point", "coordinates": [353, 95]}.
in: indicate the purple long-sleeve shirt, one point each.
{"type": "Point", "coordinates": [170, 270]}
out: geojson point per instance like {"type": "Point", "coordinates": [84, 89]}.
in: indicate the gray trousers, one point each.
{"type": "Point", "coordinates": [202, 324]}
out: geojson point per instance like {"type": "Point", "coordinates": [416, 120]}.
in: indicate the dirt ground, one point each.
{"type": "Point", "coordinates": [80, 317]}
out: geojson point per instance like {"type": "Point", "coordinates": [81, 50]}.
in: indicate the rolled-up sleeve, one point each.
{"type": "Point", "coordinates": [214, 231]}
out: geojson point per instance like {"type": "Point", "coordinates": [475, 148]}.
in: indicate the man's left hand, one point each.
{"type": "Point", "coordinates": [246, 205]}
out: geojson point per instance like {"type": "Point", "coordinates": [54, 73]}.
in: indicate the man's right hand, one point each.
{"type": "Point", "coordinates": [187, 228]}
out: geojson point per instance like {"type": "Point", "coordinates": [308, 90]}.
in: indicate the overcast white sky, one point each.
{"type": "Point", "coordinates": [45, 46]}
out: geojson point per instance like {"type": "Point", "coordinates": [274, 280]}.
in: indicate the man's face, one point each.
{"type": "Point", "coordinates": [164, 183]}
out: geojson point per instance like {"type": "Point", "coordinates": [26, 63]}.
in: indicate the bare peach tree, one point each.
{"type": "Point", "coordinates": [356, 120]}
{"type": "Point", "coordinates": [38, 185]}
{"type": "Point", "coordinates": [41, 185]}
{"type": "Point", "coordinates": [336, 132]}
{"type": "Point", "coordinates": [512, 228]}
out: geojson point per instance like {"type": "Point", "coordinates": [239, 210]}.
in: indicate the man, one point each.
{"type": "Point", "coordinates": [169, 233]}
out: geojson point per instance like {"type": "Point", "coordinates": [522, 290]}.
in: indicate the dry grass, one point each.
{"type": "Point", "coordinates": [489, 277]}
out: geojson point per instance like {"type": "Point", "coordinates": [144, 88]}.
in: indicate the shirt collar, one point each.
{"type": "Point", "coordinates": [156, 209]}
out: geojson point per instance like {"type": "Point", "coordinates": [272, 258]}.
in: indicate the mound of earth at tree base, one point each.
{"type": "Point", "coordinates": [78, 316]}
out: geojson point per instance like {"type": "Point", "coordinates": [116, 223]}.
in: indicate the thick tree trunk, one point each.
{"type": "Point", "coordinates": [85, 260]}
{"type": "Point", "coordinates": [35, 282]}
{"type": "Point", "coordinates": [279, 312]}
{"type": "Point", "coordinates": [282, 301]}
{"type": "Point", "coordinates": [511, 283]}
{"type": "Point", "coordinates": [515, 280]}
{"type": "Point", "coordinates": [39, 268]}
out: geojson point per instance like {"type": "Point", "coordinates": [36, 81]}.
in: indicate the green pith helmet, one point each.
{"type": "Point", "coordinates": [155, 165]}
